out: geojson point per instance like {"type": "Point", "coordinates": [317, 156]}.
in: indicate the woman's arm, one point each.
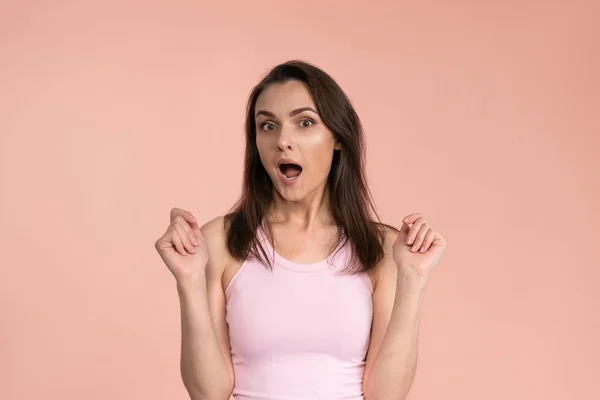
{"type": "Point", "coordinates": [392, 356]}
{"type": "Point", "coordinates": [206, 367]}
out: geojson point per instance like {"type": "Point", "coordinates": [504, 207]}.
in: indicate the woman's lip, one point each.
{"type": "Point", "coordinates": [285, 180]}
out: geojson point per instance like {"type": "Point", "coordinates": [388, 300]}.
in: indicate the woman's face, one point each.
{"type": "Point", "coordinates": [289, 131]}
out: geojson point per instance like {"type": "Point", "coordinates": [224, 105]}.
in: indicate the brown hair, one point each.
{"type": "Point", "coordinates": [350, 199]}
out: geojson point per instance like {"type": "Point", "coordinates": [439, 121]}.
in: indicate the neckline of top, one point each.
{"type": "Point", "coordinates": [295, 266]}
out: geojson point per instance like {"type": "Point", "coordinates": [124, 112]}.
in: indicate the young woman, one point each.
{"type": "Point", "coordinates": [300, 292]}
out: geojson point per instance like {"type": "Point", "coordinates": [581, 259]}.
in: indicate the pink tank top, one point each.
{"type": "Point", "coordinates": [300, 331]}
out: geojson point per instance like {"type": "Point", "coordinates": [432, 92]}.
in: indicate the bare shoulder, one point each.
{"type": "Point", "coordinates": [390, 238]}
{"type": "Point", "coordinates": [385, 270]}
{"type": "Point", "coordinates": [214, 227]}
{"type": "Point", "coordinates": [214, 235]}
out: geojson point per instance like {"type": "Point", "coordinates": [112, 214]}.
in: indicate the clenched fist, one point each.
{"type": "Point", "coordinates": [182, 247]}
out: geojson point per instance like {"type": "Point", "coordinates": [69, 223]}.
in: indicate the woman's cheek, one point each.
{"type": "Point", "coordinates": [321, 158]}
{"type": "Point", "coordinates": [316, 139]}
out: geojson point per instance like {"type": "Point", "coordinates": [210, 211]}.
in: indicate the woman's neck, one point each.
{"type": "Point", "coordinates": [309, 213]}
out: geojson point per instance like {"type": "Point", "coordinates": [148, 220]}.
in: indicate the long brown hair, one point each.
{"type": "Point", "coordinates": [351, 202]}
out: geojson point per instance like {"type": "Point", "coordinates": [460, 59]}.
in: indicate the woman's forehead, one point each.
{"type": "Point", "coordinates": [284, 96]}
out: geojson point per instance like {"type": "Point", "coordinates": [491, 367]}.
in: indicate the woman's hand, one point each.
{"type": "Point", "coordinates": [182, 247]}
{"type": "Point", "coordinates": [418, 248]}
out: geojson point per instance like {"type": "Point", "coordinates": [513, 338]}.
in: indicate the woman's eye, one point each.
{"type": "Point", "coordinates": [267, 126]}
{"type": "Point", "coordinates": [305, 123]}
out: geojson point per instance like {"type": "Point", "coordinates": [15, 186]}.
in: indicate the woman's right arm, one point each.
{"type": "Point", "coordinates": [206, 367]}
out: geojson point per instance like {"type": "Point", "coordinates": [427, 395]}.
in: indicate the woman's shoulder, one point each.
{"type": "Point", "coordinates": [214, 227]}
{"type": "Point", "coordinates": [386, 268]}
{"type": "Point", "coordinates": [215, 237]}
{"type": "Point", "coordinates": [390, 233]}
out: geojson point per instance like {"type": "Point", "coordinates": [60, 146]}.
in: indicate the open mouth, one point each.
{"type": "Point", "coordinates": [290, 171]}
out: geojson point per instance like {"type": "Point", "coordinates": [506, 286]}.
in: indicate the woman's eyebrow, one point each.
{"type": "Point", "coordinates": [294, 112]}
{"type": "Point", "coordinates": [301, 109]}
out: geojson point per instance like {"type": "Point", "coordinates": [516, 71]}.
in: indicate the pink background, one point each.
{"type": "Point", "coordinates": [484, 116]}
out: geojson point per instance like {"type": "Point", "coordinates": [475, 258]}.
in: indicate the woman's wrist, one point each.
{"type": "Point", "coordinates": [408, 278]}
{"type": "Point", "coordinates": [192, 281]}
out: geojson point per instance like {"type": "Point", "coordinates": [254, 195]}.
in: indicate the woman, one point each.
{"type": "Point", "coordinates": [299, 292]}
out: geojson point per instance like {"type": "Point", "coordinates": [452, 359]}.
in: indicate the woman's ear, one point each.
{"type": "Point", "coordinates": [338, 145]}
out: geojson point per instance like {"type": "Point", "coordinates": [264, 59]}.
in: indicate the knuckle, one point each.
{"type": "Point", "coordinates": [175, 211]}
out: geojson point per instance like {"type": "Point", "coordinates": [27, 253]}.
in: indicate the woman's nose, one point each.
{"type": "Point", "coordinates": [284, 142]}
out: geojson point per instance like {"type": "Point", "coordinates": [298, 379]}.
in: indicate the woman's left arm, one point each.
{"type": "Point", "coordinates": [397, 300]}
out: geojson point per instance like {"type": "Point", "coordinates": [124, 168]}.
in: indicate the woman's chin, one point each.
{"type": "Point", "coordinates": [289, 194]}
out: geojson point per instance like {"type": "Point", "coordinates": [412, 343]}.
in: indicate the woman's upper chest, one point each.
{"type": "Point", "coordinates": [295, 246]}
